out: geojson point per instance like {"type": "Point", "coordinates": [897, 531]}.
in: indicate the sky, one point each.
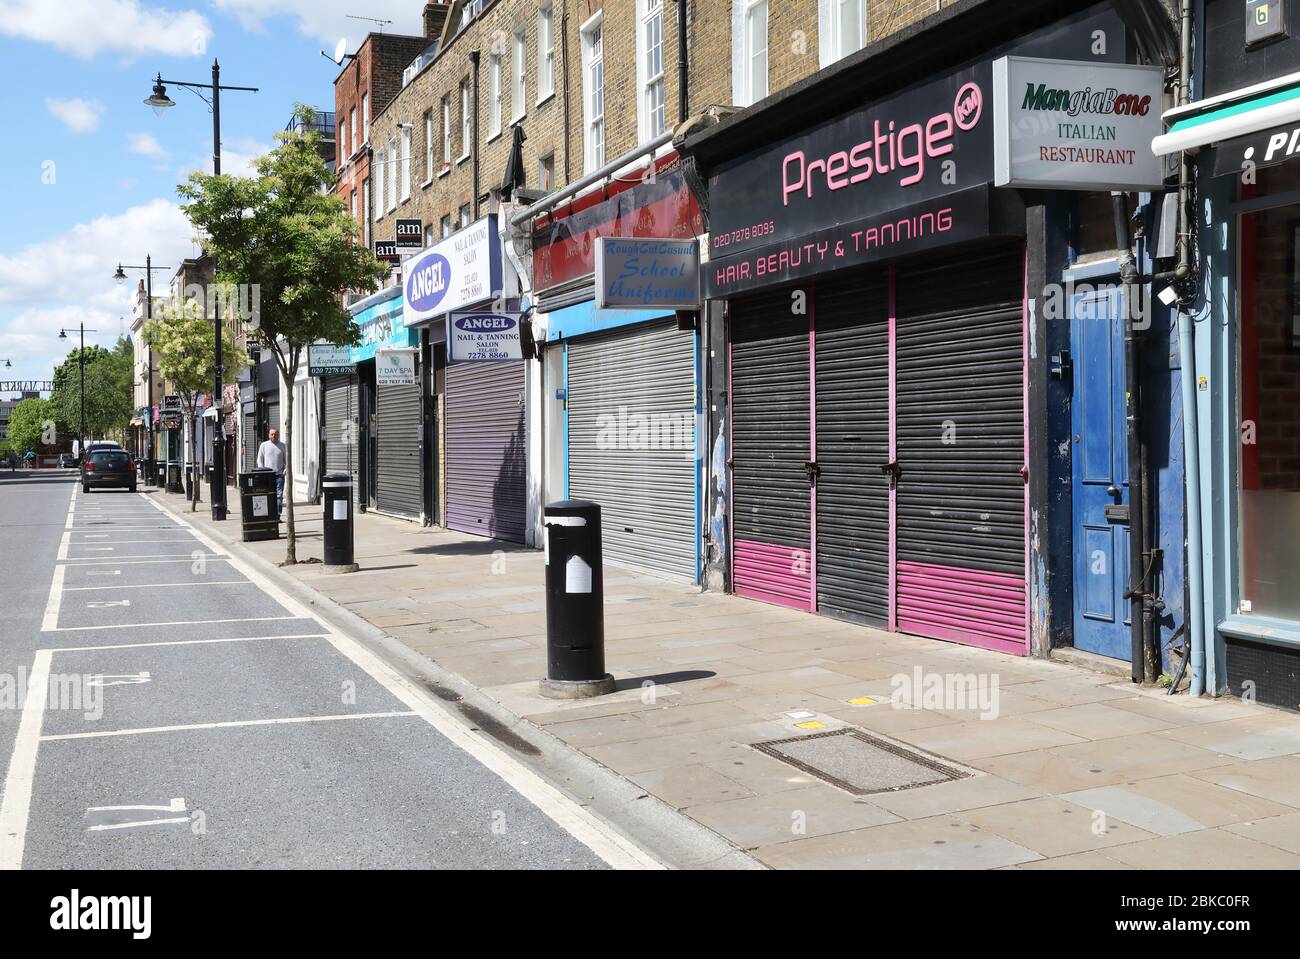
{"type": "Point", "coordinates": [90, 172]}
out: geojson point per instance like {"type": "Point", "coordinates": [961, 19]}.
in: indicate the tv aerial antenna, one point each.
{"type": "Point", "coordinates": [380, 23]}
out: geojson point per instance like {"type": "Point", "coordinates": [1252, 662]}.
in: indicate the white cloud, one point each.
{"type": "Point", "coordinates": [68, 279]}
{"type": "Point", "coordinates": [145, 144]}
{"type": "Point", "coordinates": [85, 28]}
{"type": "Point", "coordinates": [78, 115]}
{"type": "Point", "coordinates": [77, 266]}
{"type": "Point", "coordinates": [327, 20]}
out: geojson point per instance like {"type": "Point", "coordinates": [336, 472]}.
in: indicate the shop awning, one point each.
{"type": "Point", "coordinates": [1227, 116]}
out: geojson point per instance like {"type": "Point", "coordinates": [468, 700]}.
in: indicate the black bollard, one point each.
{"type": "Point", "coordinates": [575, 603]}
{"type": "Point", "coordinates": [337, 488]}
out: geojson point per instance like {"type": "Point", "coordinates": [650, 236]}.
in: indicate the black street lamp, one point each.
{"type": "Point", "coordinates": [150, 468]}
{"type": "Point", "coordinates": [81, 365]}
{"type": "Point", "coordinates": [160, 103]}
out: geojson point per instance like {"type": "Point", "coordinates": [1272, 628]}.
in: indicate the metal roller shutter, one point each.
{"type": "Point", "coordinates": [961, 448]}
{"type": "Point", "coordinates": [852, 369]}
{"type": "Point", "coordinates": [631, 406]}
{"type": "Point", "coordinates": [273, 419]}
{"type": "Point", "coordinates": [485, 453]}
{"type": "Point", "coordinates": [250, 442]}
{"type": "Point", "coordinates": [771, 499]}
{"type": "Point", "coordinates": [398, 489]}
{"type": "Point", "coordinates": [341, 427]}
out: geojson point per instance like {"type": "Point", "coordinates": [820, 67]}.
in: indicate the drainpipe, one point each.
{"type": "Point", "coordinates": [1137, 485]}
{"type": "Point", "coordinates": [474, 59]}
{"type": "Point", "coordinates": [1196, 638]}
{"type": "Point", "coordinates": [683, 66]}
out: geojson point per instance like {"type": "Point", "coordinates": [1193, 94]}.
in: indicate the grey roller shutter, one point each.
{"type": "Point", "coordinates": [273, 418]}
{"type": "Point", "coordinates": [771, 441]}
{"type": "Point", "coordinates": [631, 406]}
{"type": "Point", "coordinates": [961, 448]}
{"type": "Point", "coordinates": [398, 481]}
{"type": "Point", "coordinates": [485, 452]}
{"type": "Point", "coordinates": [852, 319]}
{"type": "Point", "coordinates": [250, 442]}
{"type": "Point", "coordinates": [342, 430]}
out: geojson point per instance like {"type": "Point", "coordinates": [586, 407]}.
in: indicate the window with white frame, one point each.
{"type": "Point", "coordinates": [519, 64]}
{"type": "Point", "coordinates": [545, 52]}
{"type": "Point", "coordinates": [390, 177]}
{"type": "Point", "coordinates": [445, 226]}
{"type": "Point", "coordinates": [365, 118]}
{"type": "Point", "coordinates": [748, 51]}
{"type": "Point", "coordinates": [352, 129]}
{"type": "Point", "coordinates": [381, 204]}
{"type": "Point", "coordinates": [352, 200]}
{"type": "Point", "coordinates": [593, 94]}
{"type": "Point", "coordinates": [650, 68]}
{"type": "Point", "coordinates": [428, 145]}
{"type": "Point", "coordinates": [446, 130]}
{"type": "Point", "coordinates": [546, 173]}
{"type": "Point", "coordinates": [841, 29]}
{"type": "Point", "coordinates": [406, 162]}
{"type": "Point", "coordinates": [464, 216]}
{"type": "Point", "coordinates": [494, 95]}
{"type": "Point", "coordinates": [464, 119]}
{"type": "Point", "coordinates": [343, 135]}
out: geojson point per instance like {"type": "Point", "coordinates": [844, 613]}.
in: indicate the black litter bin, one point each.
{"type": "Point", "coordinates": [257, 505]}
{"type": "Point", "coordinates": [173, 477]}
{"type": "Point", "coordinates": [189, 481]}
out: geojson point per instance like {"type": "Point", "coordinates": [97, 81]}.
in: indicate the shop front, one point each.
{"type": "Point", "coordinates": [461, 291]}
{"type": "Point", "coordinates": [623, 381]}
{"type": "Point", "coordinates": [893, 456]}
{"type": "Point", "coordinates": [1239, 315]}
{"type": "Point", "coordinates": [389, 406]}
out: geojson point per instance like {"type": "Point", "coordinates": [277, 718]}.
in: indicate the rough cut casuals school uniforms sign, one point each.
{"type": "Point", "coordinates": [641, 274]}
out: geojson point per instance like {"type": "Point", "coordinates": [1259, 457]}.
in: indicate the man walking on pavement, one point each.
{"type": "Point", "coordinates": [271, 455]}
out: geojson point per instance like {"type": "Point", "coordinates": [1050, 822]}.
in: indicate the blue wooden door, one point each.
{"type": "Point", "coordinates": [1099, 467]}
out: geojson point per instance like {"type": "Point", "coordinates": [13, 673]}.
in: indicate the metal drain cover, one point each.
{"type": "Point", "coordinates": [860, 763]}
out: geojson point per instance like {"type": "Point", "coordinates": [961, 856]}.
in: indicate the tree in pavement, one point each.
{"type": "Point", "coordinates": [185, 343]}
{"type": "Point", "coordinates": [290, 245]}
{"type": "Point", "coordinates": [31, 426]}
{"type": "Point", "coordinates": [107, 396]}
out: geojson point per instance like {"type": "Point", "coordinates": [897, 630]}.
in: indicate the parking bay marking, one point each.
{"type": "Point", "coordinates": [114, 812]}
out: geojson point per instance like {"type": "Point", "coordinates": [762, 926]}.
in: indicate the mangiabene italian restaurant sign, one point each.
{"type": "Point", "coordinates": [901, 175]}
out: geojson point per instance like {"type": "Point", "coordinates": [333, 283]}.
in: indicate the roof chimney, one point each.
{"type": "Point", "coordinates": [435, 15]}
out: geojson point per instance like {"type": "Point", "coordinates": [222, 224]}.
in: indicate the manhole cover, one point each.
{"type": "Point", "coordinates": [860, 763]}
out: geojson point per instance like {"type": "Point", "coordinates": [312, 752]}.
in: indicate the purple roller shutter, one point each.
{"type": "Point", "coordinates": [485, 455]}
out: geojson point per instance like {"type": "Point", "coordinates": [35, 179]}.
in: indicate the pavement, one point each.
{"type": "Point", "coordinates": [163, 703]}
{"type": "Point", "coordinates": [1057, 766]}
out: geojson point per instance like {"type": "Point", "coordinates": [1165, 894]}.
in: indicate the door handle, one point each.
{"type": "Point", "coordinates": [1112, 490]}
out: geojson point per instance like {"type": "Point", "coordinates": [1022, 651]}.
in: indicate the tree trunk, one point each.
{"type": "Point", "coordinates": [291, 542]}
{"type": "Point", "coordinates": [194, 457]}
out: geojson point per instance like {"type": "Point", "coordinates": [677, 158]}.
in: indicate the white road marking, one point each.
{"type": "Point", "coordinates": [120, 679]}
{"type": "Point", "coordinates": [107, 603]}
{"type": "Point", "coordinates": [231, 724]}
{"type": "Point", "coordinates": [181, 622]}
{"type": "Point", "coordinates": [136, 825]}
{"type": "Point", "coordinates": [597, 835]}
{"type": "Point", "coordinates": [176, 805]}
{"type": "Point", "coordinates": [50, 620]}
{"type": "Point", "coordinates": [153, 558]}
{"type": "Point", "coordinates": [16, 802]}
{"type": "Point", "coordinates": [181, 642]}
{"type": "Point", "coordinates": [97, 572]}
{"type": "Point", "coordinates": [64, 542]}
{"type": "Point", "coordinates": [227, 582]}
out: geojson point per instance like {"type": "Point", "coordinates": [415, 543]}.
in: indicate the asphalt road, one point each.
{"type": "Point", "coordinates": [195, 718]}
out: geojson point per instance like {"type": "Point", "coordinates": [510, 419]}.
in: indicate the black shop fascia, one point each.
{"type": "Point", "coordinates": [907, 173]}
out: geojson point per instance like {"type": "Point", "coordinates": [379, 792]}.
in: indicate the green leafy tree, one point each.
{"type": "Point", "coordinates": [32, 426]}
{"type": "Point", "coordinates": [289, 246]}
{"type": "Point", "coordinates": [108, 393]}
{"type": "Point", "coordinates": [185, 343]}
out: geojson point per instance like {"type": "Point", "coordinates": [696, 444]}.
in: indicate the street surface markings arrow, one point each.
{"type": "Point", "coordinates": [126, 817]}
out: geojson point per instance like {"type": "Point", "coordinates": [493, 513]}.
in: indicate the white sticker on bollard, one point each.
{"type": "Point", "coordinates": [340, 509]}
{"type": "Point", "coordinates": [577, 575]}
